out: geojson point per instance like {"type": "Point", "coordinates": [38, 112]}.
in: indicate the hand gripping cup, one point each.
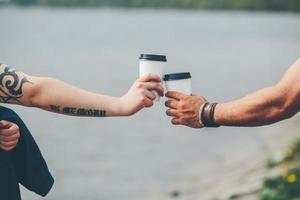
{"type": "Point", "coordinates": [179, 82]}
{"type": "Point", "coordinates": [153, 64]}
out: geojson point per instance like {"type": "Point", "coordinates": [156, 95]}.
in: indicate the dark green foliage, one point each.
{"type": "Point", "coordinates": [273, 195]}
{"type": "Point", "coordinates": [287, 186]}
{"type": "Point", "coordinates": [283, 5]}
{"type": "Point", "coordinates": [281, 188]}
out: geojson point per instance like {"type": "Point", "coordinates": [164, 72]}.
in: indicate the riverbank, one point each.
{"type": "Point", "coordinates": [272, 175]}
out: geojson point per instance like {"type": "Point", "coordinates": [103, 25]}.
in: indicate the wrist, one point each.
{"type": "Point", "coordinates": [120, 108]}
{"type": "Point", "coordinates": [123, 108]}
{"type": "Point", "coordinates": [113, 106]}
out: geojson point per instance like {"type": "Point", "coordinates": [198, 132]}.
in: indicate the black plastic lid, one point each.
{"type": "Point", "coordinates": [177, 76]}
{"type": "Point", "coordinates": [152, 57]}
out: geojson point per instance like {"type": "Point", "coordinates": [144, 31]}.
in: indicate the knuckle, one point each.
{"type": "Point", "coordinates": [15, 139]}
{"type": "Point", "coordinates": [144, 100]}
{"type": "Point", "coordinates": [17, 129]}
{"type": "Point", "coordinates": [139, 85]}
{"type": "Point", "coordinates": [14, 129]}
{"type": "Point", "coordinates": [6, 144]}
{"type": "Point", "coordinates": [180, 105]}
{"type": "Point", "coordinates": [184, 106]}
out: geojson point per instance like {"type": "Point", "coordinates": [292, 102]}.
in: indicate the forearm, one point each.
{"type": "Point", "coordinates": [264, 107]}
{"type": "Point", "coordinates": [56, 96]}
{"type": "Point", "coordinates": [53, 95]}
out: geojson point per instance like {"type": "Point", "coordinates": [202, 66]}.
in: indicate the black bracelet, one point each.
{"type": "Point", "coordinates": [203, 119]}
{"type": "Point", "coordinates": [207, 115]}
{"type": "Point", "coordinates": [211, 116]}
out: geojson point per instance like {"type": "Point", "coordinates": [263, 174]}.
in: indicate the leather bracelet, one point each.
{"type": "Point", "coordinates": [203, 111]}
{"type": "Point", "coordinates": [207, 115]}
{"type": "Point", "coordinates": [200, 114]}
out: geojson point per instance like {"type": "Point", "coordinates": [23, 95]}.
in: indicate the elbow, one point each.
{"type": "Point", "coordinates": [285, 105]}
{"type": "Point", "coordinates": [37, 97]}
{"type": "Point", "coordinates": [288, 110]}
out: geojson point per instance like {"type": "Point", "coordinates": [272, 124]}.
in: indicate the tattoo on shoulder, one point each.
{"type": "Point", "coordinates": [11, 85]}
{"type": "Point", "coordinates": [78, 111]}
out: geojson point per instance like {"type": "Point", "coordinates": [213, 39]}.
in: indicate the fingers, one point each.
{"type": "Point", "coordinates": [154, 86]}
{"type": "Point", "coordinates": [175, 121]}
{"type": "Point", "coordinates": [172, 113]}
{"type": "Point", "coordinates": [8, 144]}
{"type": "Point", "coordinates": [9, 135]}
{"type": "Point", "coordinates": [150, 77]}
{"type": "Point", "coordinates": [147, 103]}
{"type": "Point", "coordinates": [10, 138]}
{"type": "Point", "coordinates": [175, 95]}
{"type": "Point", "coordinates": [150, 95]}
{"type": "Point", "coordinates": [172, 104]}
{"type": "Point", "coordinates": [8, 147]}
{"type": "Point", "coordinates": [10, 131]}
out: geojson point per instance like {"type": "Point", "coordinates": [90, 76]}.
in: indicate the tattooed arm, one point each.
{"type": "Point", "coordinates": [56, 96]}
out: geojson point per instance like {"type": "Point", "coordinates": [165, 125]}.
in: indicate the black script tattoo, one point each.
{"type": "Point", "coordinates": [78, 111]}
{"type": "Point", "coordinates": [54, 108]}
{"type": "Point", "coordinates": [11, 85]}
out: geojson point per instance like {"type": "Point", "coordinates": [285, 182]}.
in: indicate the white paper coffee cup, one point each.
{"type": "Point", "coordinates": [153, 64]}
{"type": "Point", "coordinates": [179, 82]}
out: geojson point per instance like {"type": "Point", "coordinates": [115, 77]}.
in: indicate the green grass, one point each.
{"type": "Point", "coordinates": [287, 185]}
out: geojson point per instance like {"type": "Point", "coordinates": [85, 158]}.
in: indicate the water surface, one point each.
{"type": "Point", "coordinates": [228, 53]}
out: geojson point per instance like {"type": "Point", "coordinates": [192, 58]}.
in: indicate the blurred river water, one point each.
{"type": "Point", "coordinates": [228, 53]}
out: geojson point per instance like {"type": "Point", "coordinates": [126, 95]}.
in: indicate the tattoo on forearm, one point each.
{"type": "Point", "coordinates": [78, 111]}
{"type": "Point", "coordinates": [11, 85]}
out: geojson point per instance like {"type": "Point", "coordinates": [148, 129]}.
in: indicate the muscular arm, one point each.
{"type": "Point", "coordinates": [266, 106]}
{"type": "Point", "coordinates": [56, 96]}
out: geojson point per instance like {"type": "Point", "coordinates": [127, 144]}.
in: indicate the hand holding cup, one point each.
{"type": "Point", "coordinates": [141, 94]}
{"type": "Point", "coordinates": [183, 107]}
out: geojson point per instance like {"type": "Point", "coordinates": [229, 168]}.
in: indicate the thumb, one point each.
{"type": "Point", "coordinates": [5, 124]}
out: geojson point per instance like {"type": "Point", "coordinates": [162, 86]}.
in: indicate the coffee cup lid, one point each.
{"type": "Point", "coordinates": [153, 57]}
{"type": "Point", "coordinates": [177, 76]}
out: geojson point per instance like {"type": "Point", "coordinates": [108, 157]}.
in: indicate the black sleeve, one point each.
{"type": "Point", "coordinates": [29, 164]}
{"type": "Point", "coordinates": [9, 185]}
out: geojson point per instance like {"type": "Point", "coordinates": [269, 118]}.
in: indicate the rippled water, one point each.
{"type": "Point", "coordinates": [228, 53]}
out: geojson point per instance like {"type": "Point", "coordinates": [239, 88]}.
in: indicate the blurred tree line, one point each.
{"type": "Point", "coordinates": [284, 5]}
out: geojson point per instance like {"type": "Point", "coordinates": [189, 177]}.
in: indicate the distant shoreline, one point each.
{"type": "Point", "coordinates": [202, 5]}
{"type": "Point", "coordinates": [6, 5]}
